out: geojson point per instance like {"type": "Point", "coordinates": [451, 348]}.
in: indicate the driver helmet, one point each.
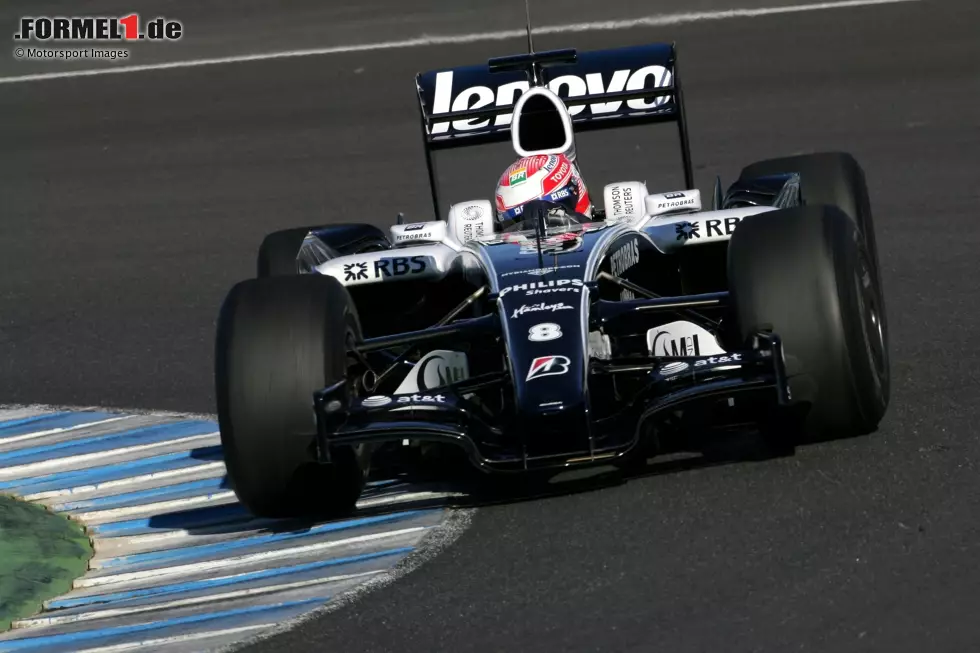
{"type": "Point", "coordinates": [552, 178]}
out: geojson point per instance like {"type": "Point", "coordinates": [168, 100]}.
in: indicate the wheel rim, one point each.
{"type": "Point", "coordinates": [872, 318]}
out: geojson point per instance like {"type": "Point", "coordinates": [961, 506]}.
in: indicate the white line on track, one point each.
{"type": "Point", "coordinates": [157, 508]}
{"type": "Point", "coordinates": [108, 613]}
{"type": "Point", "coordinates": [140, 479]}
{"type": "Point", "coordinates": [110, 546]}
{"type": "Point", "coordinates": [35, 468]}
{"type": "Point", "coordinates": [659, 20]}
{"type": "Point", "coordinates": [65, 429]}
{"type": "Point", "coordinates": [173, 640]}
{"type": "Point", "coordinates": [406, 497]}
{"type": "Point", "coordinates": [240, 560]}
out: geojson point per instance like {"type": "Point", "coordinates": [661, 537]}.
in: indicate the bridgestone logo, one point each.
{"type": "Point", "coordinates": [571, 86]}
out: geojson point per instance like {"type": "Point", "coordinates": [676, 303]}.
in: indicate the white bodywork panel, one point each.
{"type": "Point", "coordinates": [681, 201]}
{"type": "Point", "coordinates": [470, 220]}
{"type": "Point", "coordinates": [625, 200]}
{"type": "Point", "coordinates": [682, 338]}
{"type": "Point", "coordinates": [670, 232]}
{"type": "Point", "coordinates": [631, 201]}
{"type": "Point", "coordinates": [438, 368]}
{"type": "Point", "coordinates": [419, 262]}
{"type": "Point", "coordinates": [434, 232]}
{"type": "Point", "coordinates": [670, 220]}
{"type": "Point", "coordinates": [434, 259]}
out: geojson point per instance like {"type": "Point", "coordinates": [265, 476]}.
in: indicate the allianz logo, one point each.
{"type": "Point", "coordinates": [478, 97]}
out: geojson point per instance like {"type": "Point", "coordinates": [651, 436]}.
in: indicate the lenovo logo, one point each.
{"type": "Point", "coordinates": [571, 86]}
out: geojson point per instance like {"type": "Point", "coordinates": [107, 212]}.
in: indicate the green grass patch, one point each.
{"type": "Point", "coordinates": [41, 553]}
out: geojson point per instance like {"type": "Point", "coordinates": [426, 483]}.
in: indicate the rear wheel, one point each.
{"type": "Point", "coordinates": [278, 252]}
{"type": "Point", "coordinates": [805, 274]}
{"type": "Point", "coordinates": [279, 340]}
{"type": "Point", "coordinates": [828, 178]}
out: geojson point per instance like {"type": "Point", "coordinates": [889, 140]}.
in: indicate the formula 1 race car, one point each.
{"type": "Point", "coordinates": [560, 340]}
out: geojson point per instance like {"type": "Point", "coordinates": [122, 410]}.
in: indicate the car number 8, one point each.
{"type": "Point", "coordinates": [544, 332]}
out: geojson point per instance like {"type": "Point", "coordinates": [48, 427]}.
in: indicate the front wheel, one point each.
{"type": "Point", "coordinates": [279, 340]}
{"type": "Point", "coordinates": [806, 274]}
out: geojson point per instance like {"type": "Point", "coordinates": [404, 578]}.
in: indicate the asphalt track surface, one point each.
{"type": "Point", "coordinates": [131, 203]}
{"type": "Point", "coordinates": [220, 29]}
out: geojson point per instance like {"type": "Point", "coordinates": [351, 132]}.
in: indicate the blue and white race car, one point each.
{"type": "Point", "coordinates": [560, 339]}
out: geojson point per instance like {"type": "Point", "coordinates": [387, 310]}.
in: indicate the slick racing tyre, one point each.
{"type": "Point", "coordinates": [280, 339]}
{"type": "Point", "coordinates": [805, 274]}
{"type": "Point", "coordinates": [833, 179]}
{"type": "Point", "coordinates": [830, 178]}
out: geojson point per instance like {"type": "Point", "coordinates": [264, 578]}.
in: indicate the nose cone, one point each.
{"type": "Point", "coordinates": [546, 326]}
{"type": "Point", "coordinates": [560, 431]}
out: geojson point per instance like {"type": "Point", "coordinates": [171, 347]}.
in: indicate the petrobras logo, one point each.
{"type": "Point", "coordinates": [434, 231]}
{"type": "Point", "coordinates": [448, 100]}
{"type": "Point", "coordinates": [670, 205]}
{"type": "Point", "coordinates": [625, 257]}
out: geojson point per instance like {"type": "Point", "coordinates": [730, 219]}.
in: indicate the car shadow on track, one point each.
{"type": "Point", "coordinates": [473, 489]}
{"type": "Point", "coordinates": [469, 488]}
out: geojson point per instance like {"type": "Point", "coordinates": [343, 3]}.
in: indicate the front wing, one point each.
{"type": "Point", "coordinates": [496, 443]}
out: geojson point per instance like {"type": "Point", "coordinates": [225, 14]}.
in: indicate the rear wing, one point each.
{"type": "Point", "coordinates": [602, 89]}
